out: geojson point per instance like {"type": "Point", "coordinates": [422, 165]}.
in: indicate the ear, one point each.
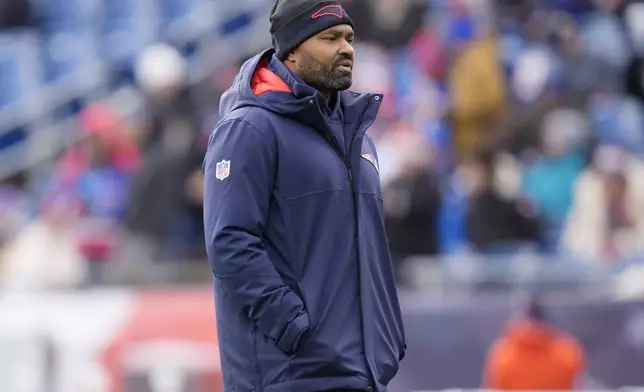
{"type": "Point", "coordinates": [292, 57]}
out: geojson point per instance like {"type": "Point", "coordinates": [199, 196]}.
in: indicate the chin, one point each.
{"type": "Point", "coordinates": [343, 84]}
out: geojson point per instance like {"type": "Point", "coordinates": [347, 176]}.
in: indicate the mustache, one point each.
{"type": "Point", "coordinates": [338, 60]}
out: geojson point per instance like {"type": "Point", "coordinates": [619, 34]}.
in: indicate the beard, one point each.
{"type": "Point", "coordinates": [324, 77]}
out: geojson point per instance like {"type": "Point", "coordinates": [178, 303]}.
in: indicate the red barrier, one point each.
{"type": "Point", "coordinates": [169, 338]}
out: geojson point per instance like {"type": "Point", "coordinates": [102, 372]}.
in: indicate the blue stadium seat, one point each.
{"type": "Point", "coordinates": [69, 53]}
{"type": "Point", "coordinates": [128, 27]}
{"type": "Point", "coordinates": [20, 71]}
{"type": "Point", "coordinates": [186, 20]}
{"type": "Point", "coordinates": [9, 83]}
{"type": "Point", "coordinates": [80, 13]}
{"type": "Point", "coordinates": [236, 23]}
{"type": "Point", "coordinates": [176, 10]}
{"type": "Point", "coordinates": [12, 138]}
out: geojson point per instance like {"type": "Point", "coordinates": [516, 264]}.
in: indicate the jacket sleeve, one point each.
{"type": "Point", "coordinates": [236, 206]}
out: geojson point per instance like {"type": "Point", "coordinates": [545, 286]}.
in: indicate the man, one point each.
{"type": "Point", "coordinates": [304, 287]}
{"type": "Point", "coordinates": [532, 355]}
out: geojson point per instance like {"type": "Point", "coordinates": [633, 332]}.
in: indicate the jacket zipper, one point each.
{"type": "Point", "coordinates": [346, 159]}
{"type": "Point", "coordinates": [336, 146]}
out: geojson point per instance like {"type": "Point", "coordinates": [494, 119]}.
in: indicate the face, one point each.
{"type": "Point", "coordinates": [96, 150]}
{"type": "Point", "coordinates": [615, 186]}
{"type": "Point", "coordinates": [481, 176]}
{"type": "Point", "coordinates": [325, 61]}
{"type": "Point", "coordinates": [164, 95]}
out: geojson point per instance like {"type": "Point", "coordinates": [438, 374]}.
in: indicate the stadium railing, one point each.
{"type": "Point", "coordinates": [473, 273]}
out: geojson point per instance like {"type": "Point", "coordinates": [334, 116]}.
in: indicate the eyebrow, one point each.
{"type": "Point", "coordinates": [339, 32]}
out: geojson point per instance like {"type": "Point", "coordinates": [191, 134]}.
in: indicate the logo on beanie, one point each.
{"type": "Point", "coordinates": [329, 10]}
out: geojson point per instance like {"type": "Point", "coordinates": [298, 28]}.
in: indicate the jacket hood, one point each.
{"type": "Point", "coordinates": [264, 81]}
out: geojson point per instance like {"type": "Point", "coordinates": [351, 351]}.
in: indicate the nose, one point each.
{"type": "Point", "coordinates": [346, 49]}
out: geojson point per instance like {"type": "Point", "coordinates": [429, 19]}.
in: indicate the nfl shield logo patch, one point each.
{"type": "Point", "coordinates": [371, 160]}
{"type": "Point", "coordinates": [223, 170]}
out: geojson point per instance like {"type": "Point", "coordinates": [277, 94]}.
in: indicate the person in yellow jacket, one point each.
{"type": "Point", "coordinates": [533, 355]}
{"type": "Point", "coordinates": [477, 87]}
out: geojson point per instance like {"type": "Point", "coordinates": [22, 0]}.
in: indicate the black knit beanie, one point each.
{"type": "Point", "coordinates": [295, 21]}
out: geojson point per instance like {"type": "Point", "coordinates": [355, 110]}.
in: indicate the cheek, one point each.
{"type": "Point", "coordinates": [324, 57]}
{"type": "Point", "coordinates": [331, 59]}
{"type": "Point", "coordinates": [316, 69]}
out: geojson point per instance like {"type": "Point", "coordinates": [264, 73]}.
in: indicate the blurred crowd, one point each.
{"type": "Point", "coordinates": [126, 189]}
{"type": "Point", "coordinates": [508, 126]}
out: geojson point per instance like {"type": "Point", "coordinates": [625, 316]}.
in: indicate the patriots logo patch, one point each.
{"type": "Point", "coordinates": [372, 160]}
{"type": "Point", "coordinates": [329, 10]}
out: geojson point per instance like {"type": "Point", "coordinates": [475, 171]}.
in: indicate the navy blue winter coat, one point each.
{"type": "Point", "coordinates": [305, 294]}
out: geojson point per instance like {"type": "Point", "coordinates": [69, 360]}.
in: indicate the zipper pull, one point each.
{"type": "Point", "coordinates": [350, 174]}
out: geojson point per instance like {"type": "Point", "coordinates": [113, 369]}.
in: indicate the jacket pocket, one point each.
{"type": "Point", "coordinates": [388, 359]}
{"type": "Point", "coordinates": [310, 332]}
{"type": "Point", "coordinates": [295, 331]}
{"type": "Point", "coordinates": [389, 370]}
{"type": "Point", "coordinates": [305, 340]}
{"type": "Point", "coordinates": [272, 362]}
{"type": "Point", "coordinates": [326, 353]}
{"type": "Point", "coordinates": [316, 359]}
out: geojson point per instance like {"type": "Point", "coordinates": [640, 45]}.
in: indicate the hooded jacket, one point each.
{"type": "Point", "coordinates": [534, 356]}
{"type": "Point", "coordinates": [304, 288]}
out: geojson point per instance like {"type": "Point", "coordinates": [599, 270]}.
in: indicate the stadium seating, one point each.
{"type": "Point", "coordinates": [81, 47]}
{"type": "Point", "coordinates": [20, 74]}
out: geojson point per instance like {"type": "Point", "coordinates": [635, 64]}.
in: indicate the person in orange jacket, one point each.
{"type": "Point", "coordinates": [533, 355]}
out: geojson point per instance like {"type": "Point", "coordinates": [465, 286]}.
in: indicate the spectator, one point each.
{"type": "Point", "coordinates": [163, 211]}
{"type": "Point", "coordinates": [392, 24]}
{"type": "Point", "coordinates": [412, 202]}
{"type": "Point", "coordinates": [101, 124]}
{"type": "Point", "coordinates": [95, 175]}
{"type": "Point", "coordinates": [478, 93]}
{"type": "Point", "coordinates": [493, 221]}
{"type": "Point", "coordinates": [533, 355]}
{"type": "Point", "coordinates": [607, 218]}
{"type": "Point", "coordinates": [581, 73]}
{"type": "Point", "coordinates": [45, 255]}
{"type": "Point", "coordinates": [13, 206]}
{"type": "Point", "coordinates": [548, 182]}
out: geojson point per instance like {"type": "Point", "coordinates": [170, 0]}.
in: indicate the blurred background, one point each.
{"type": "Point", "coordinates": [511, 142]}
